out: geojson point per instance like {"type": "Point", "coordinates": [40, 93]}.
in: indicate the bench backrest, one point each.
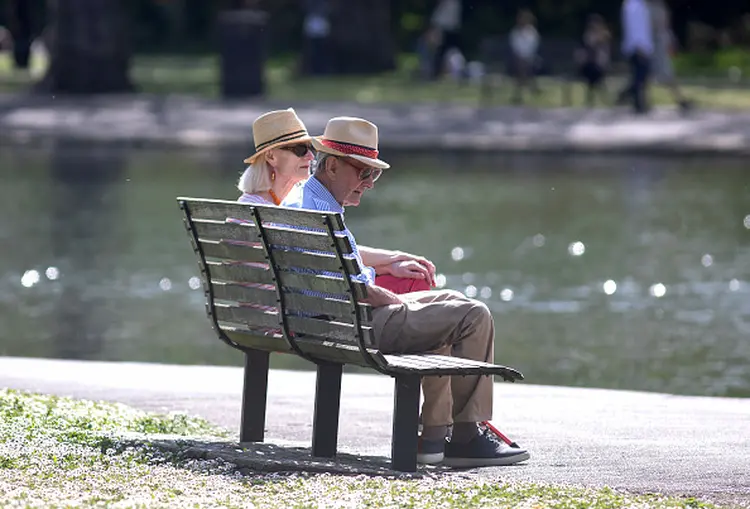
{"type": "Point", "coordinates": [279, 279]}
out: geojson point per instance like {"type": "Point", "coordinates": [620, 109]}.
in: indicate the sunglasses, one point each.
{"type": "Point", "coordinates": [365, 172]}
{"type": "Point", "coordinates": [300, 150]}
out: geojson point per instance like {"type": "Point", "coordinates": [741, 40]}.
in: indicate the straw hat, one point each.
{"type": "Point", "coordinates": [275, 129]}
{"type": "Point", "coordinates": [351, 137]}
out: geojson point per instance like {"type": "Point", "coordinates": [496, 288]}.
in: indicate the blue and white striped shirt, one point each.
{"type": "Point", "coordinates": [315, 196]}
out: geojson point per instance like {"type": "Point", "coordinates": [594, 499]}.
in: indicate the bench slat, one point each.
{"type": "Point", "coordinates": [237, 272]}
{"type": "Point", "coordinates": [222, 209]}
{"type": "Point", "coordinates": [286, 260]}
{"type": "Point", "coordinates": [227, 250]}
{"type": "Point", "coordinates": [242, 293]}
{"type": "Point", "coordinates": [257, 318]}
{"type": "Point", "coordinates": [325, 284]}
{"type": "Point", "coordinates": [328, 329]}
{"type": "Point", "coordinates": [253, 252]}
{"type": "Point", "coordinates": [315, 241]}
{"type": "Point", "coordinates": [253, 317]}
{"type": "Point", "coordinates": [257, 340]}
{"type": "Point", "coordinates": [219, 230]}
{"type": "Point", "coordinates": [321, 349]}
{"type": "Point", "coordinates": [429, 364]}
{"type": "Point", "coordinates": [208, 229]}
{"type": "Point", "coordinates": [297, 303]}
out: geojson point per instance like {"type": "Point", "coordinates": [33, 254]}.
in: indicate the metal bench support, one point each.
{"type": "Point", "coordinates": [405, 423]}
{"type": "Point", "coordinates": [327, 403]}
{"type": "Point", "coordinates": [254, 394]}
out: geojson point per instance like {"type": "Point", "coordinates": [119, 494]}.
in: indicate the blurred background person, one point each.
{"type": "Point", "coordinates": [638, 48]}
{"type": "Point", "coordinates": [524, 44]}
{"type": "Point", "coordinates": [665, 44]}
{"type": "Point", "coordinates": [593, 57]}
{"type": "Point", "coordinates": [446, 19]}
{"type": "Point", "coordinates": [317, 29]}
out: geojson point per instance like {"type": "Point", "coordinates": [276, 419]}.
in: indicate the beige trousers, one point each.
{"type": "Point", "coordinates": [443, 322]}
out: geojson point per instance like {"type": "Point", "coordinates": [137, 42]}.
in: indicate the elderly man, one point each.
{"type": "Point", "coordinates": [443, 322]}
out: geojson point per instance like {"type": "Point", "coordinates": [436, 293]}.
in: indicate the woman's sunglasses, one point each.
{"type": "Point", "coordinates": [300, 150]}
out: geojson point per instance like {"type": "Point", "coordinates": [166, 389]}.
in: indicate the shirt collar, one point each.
{"type": "Point", "coordinates": [321, 192]}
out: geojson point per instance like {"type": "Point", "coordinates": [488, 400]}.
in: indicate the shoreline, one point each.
{"type": "Point", "coordinates": [141, 121]}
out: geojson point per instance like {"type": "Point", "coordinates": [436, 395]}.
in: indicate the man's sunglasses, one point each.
{"type": "Point", "coordinates": [365, 172]}
{"type": "Point", "coordinates": [300, 150]}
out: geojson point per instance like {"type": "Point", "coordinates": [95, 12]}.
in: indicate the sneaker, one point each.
{"type": "Point", "coordinates": [430, 452]}
{"type": "Point", "coordinates": [484, 450]}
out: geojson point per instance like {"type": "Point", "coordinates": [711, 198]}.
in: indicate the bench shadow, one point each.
{"type": "Point", "coordinates": [265, 458]}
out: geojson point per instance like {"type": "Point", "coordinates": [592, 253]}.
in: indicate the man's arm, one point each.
{"type": "Point", "coordinates": [398, 263]}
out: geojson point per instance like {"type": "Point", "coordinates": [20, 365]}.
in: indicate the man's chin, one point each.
{"type": "Point", "coordinates": [353, 200]}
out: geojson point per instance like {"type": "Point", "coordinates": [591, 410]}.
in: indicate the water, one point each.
{"type": "Point", "coordinates": [621, 272]}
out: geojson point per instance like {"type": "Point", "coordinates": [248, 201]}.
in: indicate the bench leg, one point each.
{"type": "Point", "coordinates": [254, 394]}
{"type": "Point", "coordinates": [327, 403]}
{"type": "Point", "coordinates": [405, 423]}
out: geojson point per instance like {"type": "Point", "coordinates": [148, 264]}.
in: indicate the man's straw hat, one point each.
{"type": "Point", "coordinates": [351, 137]}
{"type": "Point", "coordinates": [277, 129]}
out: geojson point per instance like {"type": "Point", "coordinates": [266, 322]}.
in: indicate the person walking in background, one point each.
{"type": "Point", "coordinates": [664, 46]}
{"type": "Point", "coordinates": [524, 45]}
{"type": "Point", "coordinates": [638, 48]}
{"type": "Point", "coordinates": [594, 56]}
{"type": "Point", "coordinates": [446, 19]}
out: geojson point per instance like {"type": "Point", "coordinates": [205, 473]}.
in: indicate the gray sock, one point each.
{"type": "Point", "coordinates": [463, 432]}
{"type": "Point", "coordinates": [434, 433]}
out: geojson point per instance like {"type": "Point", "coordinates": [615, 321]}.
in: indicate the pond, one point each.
{"type": "Point", "coordinates": [601, 271]}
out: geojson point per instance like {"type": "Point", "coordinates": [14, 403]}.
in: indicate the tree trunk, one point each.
{"type": "Point", "coordinates": [361, 41]}
{"type": "Point", "coordinates": [89, 48]}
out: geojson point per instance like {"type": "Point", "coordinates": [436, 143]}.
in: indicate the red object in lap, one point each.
{"type": "Point", "coordinates": [402, 284]}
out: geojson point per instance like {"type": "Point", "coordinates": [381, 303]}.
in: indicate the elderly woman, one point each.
{"type": "Point", "coordinates": [283, 153]}
{"type": "Point", "coordinates": [282, 159]}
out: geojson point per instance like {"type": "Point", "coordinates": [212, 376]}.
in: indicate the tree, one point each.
{"type": "Point", "coordinates": [89, 48]}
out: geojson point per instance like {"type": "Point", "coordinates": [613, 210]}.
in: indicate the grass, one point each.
{"type": "Point", "coordinates": [60, 452]}
{"type": "Point", "coordinates": [199, 76]}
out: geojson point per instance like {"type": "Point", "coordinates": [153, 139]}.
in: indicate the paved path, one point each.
{"type": "Point", "coordinates": [181, 121]}
{"type": "Point", "coordinates": [643, 442]}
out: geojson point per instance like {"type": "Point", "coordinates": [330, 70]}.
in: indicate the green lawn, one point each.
{"type": "Point", "coordinates": [61, 452]}
{"type": "Point", "coordinates": [199, 76]}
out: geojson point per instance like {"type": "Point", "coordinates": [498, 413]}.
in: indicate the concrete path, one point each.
{"type": "Point", "coordinates": [182, 121]}
{"type": "Point", "coordinates": [643, 442]}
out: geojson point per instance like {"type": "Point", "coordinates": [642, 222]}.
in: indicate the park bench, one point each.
{"type": "Point", "coordinates": [258, 266]}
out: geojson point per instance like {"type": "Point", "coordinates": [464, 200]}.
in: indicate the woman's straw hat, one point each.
{"type": "Point", "coordinates": [277, 129]}
{"type": "Point", "coordinates": [351, 137]}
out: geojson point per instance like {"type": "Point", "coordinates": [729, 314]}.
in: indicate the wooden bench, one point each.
{"type": "Point", "coordinates": [258, 269]}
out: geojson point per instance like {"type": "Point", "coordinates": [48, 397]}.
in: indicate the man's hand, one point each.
{"type": "Point", "coordinates": [413, 269]}
{"type": "Point", "coordinates": [383, 261]}
{"type": "Point", "coordinates": [378, 297]}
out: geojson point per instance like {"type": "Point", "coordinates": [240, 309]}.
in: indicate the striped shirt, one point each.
{"type": "Point", "coordinates": [315, 196]}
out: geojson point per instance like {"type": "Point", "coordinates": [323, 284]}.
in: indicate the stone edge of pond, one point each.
{"type": "Point", "coordinates": [190, 139]}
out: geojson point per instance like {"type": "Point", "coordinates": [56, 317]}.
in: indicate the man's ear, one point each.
{"type": "Point", "coordinates": [332, 167]}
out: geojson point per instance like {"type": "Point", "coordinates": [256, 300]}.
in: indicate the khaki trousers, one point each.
{"type": "Point", "coordinates": [443, 322]}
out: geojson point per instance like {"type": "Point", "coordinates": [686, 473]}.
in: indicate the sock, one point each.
{"type": "Point", "coordinates": [434, 433]}
{"type": "Point", "coordinates": [463, 432]}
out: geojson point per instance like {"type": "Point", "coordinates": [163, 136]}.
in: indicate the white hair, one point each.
{"type": "Point", "coordinates": [256, 178]}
